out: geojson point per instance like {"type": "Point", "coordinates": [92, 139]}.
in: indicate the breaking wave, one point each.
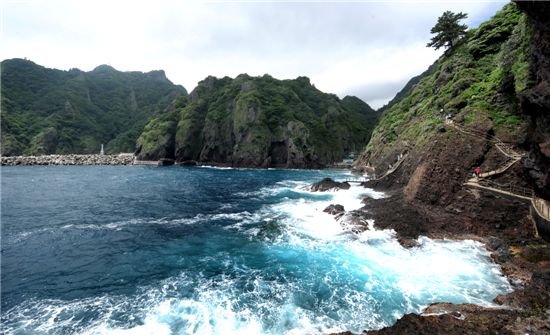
{"type": "Point", "coordinates": [266, 261]}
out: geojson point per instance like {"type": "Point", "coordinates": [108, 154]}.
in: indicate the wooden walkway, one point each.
{"type": "Point", "coordinates": [503, 147]}
{"type": "Point", "coordinates": [542, 207]}
{"type": "Point", "coordinates": [508, 190]}
{"type": "Point", "coordinates": [392, 169]}
{"type": "Point", "coordinates": [500, 170]}
{"type": "Point", "coordinates": [387, 173]}
{"type": "Point", "coordinates": [539, 208]}
{"type": "Point", "coordinates": [148, 163]}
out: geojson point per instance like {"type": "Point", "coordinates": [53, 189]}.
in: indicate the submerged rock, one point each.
{"type": "Point", "coordinates": [328, 184]}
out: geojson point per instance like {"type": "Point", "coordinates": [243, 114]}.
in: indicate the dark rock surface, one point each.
{"type": "Point", "coordinates": [328, 184]}
{"type": "Point", "coordinates": [535, 101]}
{"type": "Point", "coordinates": [453, 319]}
{"type": "Point", "coordinates": [337, 210]}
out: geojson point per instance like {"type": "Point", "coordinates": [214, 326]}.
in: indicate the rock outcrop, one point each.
{"type": "Point", "coordinates": [327, 184]}
{"type": "Point", "coordinates": [337, 210]}
{"type": "Point", "coordinates": [490, 94]}
{"type": "Point", "coordinates": [258, 122]}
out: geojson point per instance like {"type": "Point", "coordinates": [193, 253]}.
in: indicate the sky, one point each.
{"type": "Point", "coordinates": [365, 48]}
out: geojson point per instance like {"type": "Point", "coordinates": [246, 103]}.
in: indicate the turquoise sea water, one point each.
{"type": "Point", "coordinates": [143, 250]}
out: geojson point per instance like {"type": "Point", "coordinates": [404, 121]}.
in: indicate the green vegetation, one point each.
{"type": "Point", "coordinates": [248, 120]}
{"type": "Point", "coordinates": [476, 82]}
{"type": "Point", "coordinates": [448, 30]}
{"type": "Point", "coordinates": [51, 111]}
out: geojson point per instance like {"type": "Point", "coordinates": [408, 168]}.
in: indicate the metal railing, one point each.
{"type": "Point", "coordinates": [505, 148]}
{"type": "Point", "coordinates": [543, 207]}
{"type": "Point", "coordinates": [510, 188]}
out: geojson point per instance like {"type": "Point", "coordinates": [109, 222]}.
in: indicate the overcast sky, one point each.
{"type": "Point", "coordinates": [364, 48]}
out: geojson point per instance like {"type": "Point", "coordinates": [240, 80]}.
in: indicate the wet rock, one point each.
{"type": "Point", "coordinates": [336, 210]}
{"type": "Point", "coordinates": [444, 318]}
{"type": "Point", "coordinates": [328, 184]}
{"type": "Point", "coordinates": [536, 253]}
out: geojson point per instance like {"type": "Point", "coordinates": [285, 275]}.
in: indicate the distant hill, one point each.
{"type": "Point", "coordinates": [258, 122]}
{"type": "Point", "coordinates": [48, 111]}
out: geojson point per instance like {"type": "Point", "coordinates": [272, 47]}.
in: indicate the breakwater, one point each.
{"type": "Point", "coordinates": [119, 159]}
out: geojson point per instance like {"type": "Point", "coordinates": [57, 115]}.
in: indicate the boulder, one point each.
{"type": "Point", "coordinates": [328, 184]}
{"type": "Point", "coordinates": [335, 210]}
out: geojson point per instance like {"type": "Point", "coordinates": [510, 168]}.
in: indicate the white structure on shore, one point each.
{"type": "Point", "coordinates": [101, 152]}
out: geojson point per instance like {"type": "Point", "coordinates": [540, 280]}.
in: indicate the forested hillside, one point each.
{"type": "Point", "coordinates": [259, 122]}
{"type": "Point", "coordinates": [48, 111]}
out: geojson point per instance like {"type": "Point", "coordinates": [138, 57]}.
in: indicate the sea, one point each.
{"type": "Point", "coordinates": [207, 250]}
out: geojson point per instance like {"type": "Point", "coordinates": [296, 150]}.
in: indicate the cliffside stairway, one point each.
{"type": "Point", "coordinates": [539, 208]}
{"type": "Point", "coordinates": [509, 189]}
{"type": "Point", "coordinates": [505, 148]}
{"type": "Point", "coordinates": [392, 169]}
{"type": "Point", "coordinates": [542, 207]}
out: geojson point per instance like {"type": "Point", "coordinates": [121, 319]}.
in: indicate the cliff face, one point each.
{"type": "Point", "coordinates": [484, 103]}
{"type": "Point", "coordinates": [535, 100]}
{"type": "Point", "coordinates": [258, 122]}
{"type": "Point", "coordinates": [494, 84]}
{"type": "Point", "coordinates": [46, 111]}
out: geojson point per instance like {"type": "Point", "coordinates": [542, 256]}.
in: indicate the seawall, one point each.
{"type": "Point", "coordinates": [120, 159]}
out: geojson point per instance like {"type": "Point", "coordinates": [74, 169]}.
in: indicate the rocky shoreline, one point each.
{"type": "Point", "coordinates": [523, 258]}
{"type": "Point", "coordinates": [71, 159]}
{"type": "Point", "coordinates": [510, 237]}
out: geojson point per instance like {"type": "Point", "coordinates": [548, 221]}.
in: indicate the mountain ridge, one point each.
{"type": "Point", "coordinates": [47, 111]}
{"type": "Point", "coordinates": [258, 122]}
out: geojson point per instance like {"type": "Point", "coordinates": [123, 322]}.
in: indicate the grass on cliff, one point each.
{"type": "Point", "coordinates": [252, 112]}
{"type": "Point", "coordinates": [480, 77]}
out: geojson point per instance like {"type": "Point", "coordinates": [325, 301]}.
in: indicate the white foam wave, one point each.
{"type": "Point", "coordinates": [218, 167]}
{"type": "Point", "coordinates": [307, 216]}
{"type": "Point", "coordinates": [248, 302]}
{"type": "Point", "coordinates": [350, 282]}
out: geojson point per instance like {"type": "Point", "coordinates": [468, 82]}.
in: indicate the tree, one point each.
{"type": "Point", "coordinates": [448, 30]}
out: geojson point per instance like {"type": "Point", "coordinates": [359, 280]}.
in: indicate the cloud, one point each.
{"type": "Point", "coordinates": [369, 49]}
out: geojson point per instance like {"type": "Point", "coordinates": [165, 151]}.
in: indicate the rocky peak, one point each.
{"type": "Point", "coordinates": [260, 122]}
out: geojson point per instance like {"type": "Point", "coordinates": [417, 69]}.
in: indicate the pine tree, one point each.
{"type": "Point", "coordinates": [448, 30]}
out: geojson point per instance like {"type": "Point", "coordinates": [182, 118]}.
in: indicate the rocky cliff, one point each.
{"type": "Point", "coordinates": [484, 103]}
{"type": "Point", "coordinates": [258, 122]}
{"type": "Point", "coordinates": [46, 111]}
{"type": "Point", "coordinates": [494, 84]}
